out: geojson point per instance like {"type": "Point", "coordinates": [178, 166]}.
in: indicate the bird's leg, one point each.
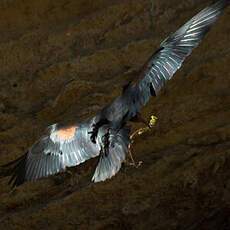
{"type": "Point", "coordinates": [95, 129]}
{"type": "Point", "coordinates": [139, 132]}
{"type": "Point", "coordinates": [149, 125]}
{"type": "Point", "coordinates": [133, 163]}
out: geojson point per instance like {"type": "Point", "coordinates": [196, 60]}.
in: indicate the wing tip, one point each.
{"type": "Point", "coordinates": [17, 170]}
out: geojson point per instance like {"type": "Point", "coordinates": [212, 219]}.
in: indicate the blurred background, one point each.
{"type": "Point", "coordinates": [66, 59]}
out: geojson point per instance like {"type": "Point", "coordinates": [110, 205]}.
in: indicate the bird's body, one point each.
{"type": "Point", "coordinates": [106, 134]}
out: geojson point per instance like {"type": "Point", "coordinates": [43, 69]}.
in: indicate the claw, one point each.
{"type": "Point", "coordinates": [95, 129]}
{"type": "Point", "coordinates": [93, 137]}
{"type": "Point", "coordinates": [93, 133]}
{"type": "Point", "coordinates": [136, 165]}
{"type": "Point", "coordinates": [106, 143]}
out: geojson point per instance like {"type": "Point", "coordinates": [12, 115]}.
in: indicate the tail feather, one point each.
{"type": "Point", "coordinates": [110, 164]}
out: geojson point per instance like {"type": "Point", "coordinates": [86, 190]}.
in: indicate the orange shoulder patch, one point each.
{"type": "Point", "coordinates": [66, 133]}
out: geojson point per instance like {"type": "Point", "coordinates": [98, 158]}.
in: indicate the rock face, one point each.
{"type": "Point", "coordinates": [64, 60]}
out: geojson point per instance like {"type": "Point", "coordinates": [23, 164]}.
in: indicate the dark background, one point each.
{"type": "Point", "coordinates": [64, 60]}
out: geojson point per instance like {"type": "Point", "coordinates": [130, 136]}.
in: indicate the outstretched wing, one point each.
{"type": "Point", "coordinates": [61, 147]}
{"type": "Point", "coordinates": [174, 49]}
{"type": "Point", "coordinates": [163, 64]}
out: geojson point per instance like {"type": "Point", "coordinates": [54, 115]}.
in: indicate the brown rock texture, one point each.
{"type": "Point", "coordinates": [66, 59]}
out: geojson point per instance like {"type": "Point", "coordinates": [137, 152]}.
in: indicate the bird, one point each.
{"type": "Point", "coordinates": [107, 134]}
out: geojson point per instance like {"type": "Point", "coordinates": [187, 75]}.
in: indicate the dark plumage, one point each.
{"type": "Point", "coordinates": [106, 134]}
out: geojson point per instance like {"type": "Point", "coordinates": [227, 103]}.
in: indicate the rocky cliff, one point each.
{"type": "Point", "coordinates": [64, 60]}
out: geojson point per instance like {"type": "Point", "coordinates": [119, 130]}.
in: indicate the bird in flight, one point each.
{"type": "Point", "coordinates": [107, 135]}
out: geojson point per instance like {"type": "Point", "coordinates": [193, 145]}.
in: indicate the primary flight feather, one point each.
{"type": "Point", "coordinates": [106, 135]}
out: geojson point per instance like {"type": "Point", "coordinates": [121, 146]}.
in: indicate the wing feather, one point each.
{"type": "Point", "coordinates": [109, 165]}
{"type": "Point", "coordinates": [164, 63]}
{"type": "Point", "coordinates": [53, 153]}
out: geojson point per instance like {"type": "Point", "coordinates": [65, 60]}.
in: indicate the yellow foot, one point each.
{"type": "Point", "coordinates": [152, 121]}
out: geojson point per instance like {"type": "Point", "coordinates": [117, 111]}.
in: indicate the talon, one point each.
{"type": "Point", "coordinates": [93, 138]}
{"type": "Point", "coordinates": [93, 134]}
{"type": "Point", "coordinates": [134, 164]}
{"type": "Point", "coordinates": [95, 129]}
{"type": "Point", "coordinates": [106, 143]}
{"type": "Point", "coordinates": [139, 164]}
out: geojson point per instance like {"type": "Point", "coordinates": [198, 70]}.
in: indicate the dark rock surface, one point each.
{"type": "Point", "coordinates": [64, 60]}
